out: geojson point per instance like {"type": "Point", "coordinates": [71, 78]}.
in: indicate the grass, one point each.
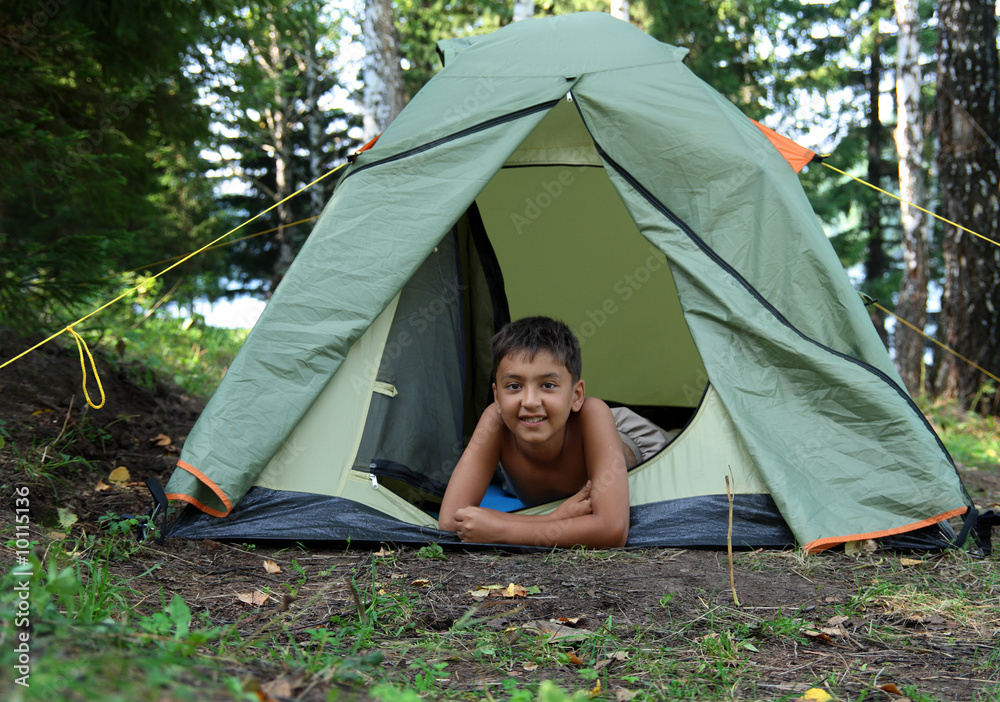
{"type": "Point", "coordinates": [98, 634]}
{"type": "Point", "coordinates": [972, 439]}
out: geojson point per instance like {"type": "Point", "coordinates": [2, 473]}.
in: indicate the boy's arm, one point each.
{"type": "Point", "coordinates": [475, 469]}
{"type": "Point", "coordinates": [597, 516]}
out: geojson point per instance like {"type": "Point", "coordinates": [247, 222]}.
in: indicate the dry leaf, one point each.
{"type": "Point", "coordinates": [910, 562]}
{"type": "Point", "coordinates": [421, 582]}
{"type": "Point", "coordinates": [573, 658]}
{"type": "Point", "coordinates": [272, 567]}
{"type": "Point", "coordinates": [619, 656]}
{"type": "Point", "coordinates": [837, 620]}
{"type": "Point", "coordinates": [890, 688]}
{"type": "Point", "coordinates": [513, 590]}
{"type": "Point", "coordinates": [161, 440]}
{"type": "Point", "coordinates": [572, 621]}
{"type": "Point", "coordinates": [602, 664]}
{"type": "Point", "coordinates": [120, 475]}
{"type": "Point", "coordinates": [833, 631]}
{"type": "Point", "coordinates": [623, 695]}
{"type": "Point", "coordinates": [101, 486]}
{"type": "Point", "coordinates": [280, 688]}
{"type": "Point", "coordinates": [256, 598]}
{"type": "Point", "coordinates": [856, 548]}
{"type": "Point", "coordinates": [57, 535]}
{"type": "Point", "coordinates": [530, 666]}
{"type": "Point", "coordinates": [554, 630]}
{"type": "Point", "coordinates": [382, 553]}
{"type": "Point", "coordinates": [812, 633]}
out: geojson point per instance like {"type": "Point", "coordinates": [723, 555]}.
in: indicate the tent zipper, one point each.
{"type": "Point", "coordinates": [374, 479]}
{"type": "Point", "coordinates": [492, 122]}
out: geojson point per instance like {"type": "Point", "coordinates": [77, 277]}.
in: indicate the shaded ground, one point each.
{"type": "Point", "coordinates": [660, 622]}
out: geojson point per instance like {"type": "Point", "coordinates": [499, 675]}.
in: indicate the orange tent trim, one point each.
{"type": "Point", "coordinates": [197, 503]}
{"type": "Point", "coordinates": [829, 542]}
{"type": "Point", "coordinates": [797, 156]}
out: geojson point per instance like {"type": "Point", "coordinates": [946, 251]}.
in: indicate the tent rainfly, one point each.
{"type": "Point", "coordinates": [571, 167]}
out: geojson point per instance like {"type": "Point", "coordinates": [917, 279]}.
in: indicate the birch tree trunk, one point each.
{"type": "Point", "coordinates": [968, 114]}
{"type": "Point", "coordinates": [619, 9]}
{"type": "Point", "coordinates": [912, 302]}
{"type": "Point", "coordinates": [384, 94]}
{"type": "Point", "coordinates": [523, 9]}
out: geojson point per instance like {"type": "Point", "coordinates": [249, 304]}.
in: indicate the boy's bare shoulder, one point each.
{"type": "Point", "coordinates": [594, 406]}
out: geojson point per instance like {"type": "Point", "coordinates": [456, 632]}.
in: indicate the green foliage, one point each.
{"type": "Point", "coordinates": [972, 440]}
{"type": "Point", "coordinates": [94, 106]}
{"type": "Point", "coordinates": [432, 551]}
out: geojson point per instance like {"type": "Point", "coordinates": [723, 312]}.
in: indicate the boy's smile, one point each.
{"type": "Point", "coordinates": [535, 398]}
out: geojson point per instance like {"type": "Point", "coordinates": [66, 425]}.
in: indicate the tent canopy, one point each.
{"type": "Point", "coordinates": [572, 167]}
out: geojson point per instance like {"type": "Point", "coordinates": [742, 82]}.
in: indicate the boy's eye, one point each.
{"type": "Point", "coordinates": [548, 386]}
{"type": "Point", "coordinates": [513, 386]}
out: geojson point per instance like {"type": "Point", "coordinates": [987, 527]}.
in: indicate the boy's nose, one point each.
{"type": "Point", "coordinates": [531, 398]}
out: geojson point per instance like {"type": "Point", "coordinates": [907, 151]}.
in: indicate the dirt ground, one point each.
{"type": "Point", "coordinates": [679, 602]}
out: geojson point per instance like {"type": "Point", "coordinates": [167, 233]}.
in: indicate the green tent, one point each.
{"type": "Point", "coordinates": [571, 167]}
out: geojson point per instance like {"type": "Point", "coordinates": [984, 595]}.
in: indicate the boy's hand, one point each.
{"type": "Point", "coordinates": [576, 505]}
{"type": "Point", "coordinates": [478, 525]}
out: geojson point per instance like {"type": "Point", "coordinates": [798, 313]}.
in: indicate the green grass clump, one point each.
{"type": "Point", "coordinates": [972, 439]}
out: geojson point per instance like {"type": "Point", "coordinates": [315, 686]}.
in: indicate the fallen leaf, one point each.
{"type": "Point", "coordinates": [833, 631]}
{"type": "Point", "coordinates": [573, 658]}
{"type": "Point", "coordinates": [120, 475]}
{"type": "Point", "coordinates": [161, 440]}
{"type": "Point", "coordinates": [554, 630]}
{"type": "Point", "coordinates": [57, 535]}
{"type": "Point", "coordinates": [382, 553]}
{"type": "Point", "coordinates": [623, 695]}
{"type": "Point", "coordinates": [602, 664]}
{"type": "Point", "coordinates": [66, 518]}
{"type": "Point", "coordinates": [101, 486]}
{"type": "Point", "coordinates": [856, 548]}
{"type": "Point", "coordinates": [272, 567]}
{"type": "Point", "coordinates": [256, 598]}
{"type": "Point", "coordinates": [282, 687]}
{"type": "Point", "coordinates": [815, 694]}
{"type": "Point", "coordinates": [619, 656]}
{"type": "Point", "coordinates": [421, 582]}
{"type": "Point", "coordinates": [812, 633]}
{"type": "Point", "coordinates": [837, 620]}
{"type": "Point", "coordinates": [572, 621]}
{"type": "Point", "coordinates": [513, 590]}
{"type": "Point", "coordinates": [910, 562]}
{"type": "Point", "coordinates": [530, 666]}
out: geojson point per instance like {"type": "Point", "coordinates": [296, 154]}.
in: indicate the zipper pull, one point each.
{"type": "Point", "coordinates": [374, 480]}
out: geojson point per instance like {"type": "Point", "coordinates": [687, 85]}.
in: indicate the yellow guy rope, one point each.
{"type": "Point", "coordinates": [954, 224]}
{"type": "Point", "coordinates": [82, 347]}
{"type": "Point", "coordinates": [931, 338]}
{"type": "Point", "coordinates": [886, 192]}
{"type": "Point", "coordinates": [213, 246]}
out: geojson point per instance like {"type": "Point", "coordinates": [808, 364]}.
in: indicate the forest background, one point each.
{"type": "Point", "coordinates": [133, 132]}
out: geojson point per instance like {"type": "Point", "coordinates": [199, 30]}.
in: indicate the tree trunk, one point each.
{"type": "Point", "coordinates": [619, 9]}
{"type": "Point", "coordinates": [912, 302]}
{"type": "Point", "coordinates": [523, 9]}
{"type": "Point", "coordinates": [875, 265]}
{"type": "Point", "coordinates": [968, 114]}
{"type": "Point", "coordinates": [384, 94]}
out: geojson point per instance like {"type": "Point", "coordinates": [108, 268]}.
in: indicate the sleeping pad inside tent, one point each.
{"type": "Point", "coordinates": [571, 167]}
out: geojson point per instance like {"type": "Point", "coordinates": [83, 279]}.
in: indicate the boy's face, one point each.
{"type": "Point", "coordinates": [536, 397]}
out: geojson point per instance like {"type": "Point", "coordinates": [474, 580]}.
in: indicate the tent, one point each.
{"type": "Point", "coordinates": [571, 167]}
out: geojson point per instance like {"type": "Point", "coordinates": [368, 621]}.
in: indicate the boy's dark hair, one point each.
{"type": "Point", "coordinates": [533, 334]}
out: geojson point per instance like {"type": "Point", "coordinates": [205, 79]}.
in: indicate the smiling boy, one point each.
{"type": "Point", "coordinates": [550, 441]}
